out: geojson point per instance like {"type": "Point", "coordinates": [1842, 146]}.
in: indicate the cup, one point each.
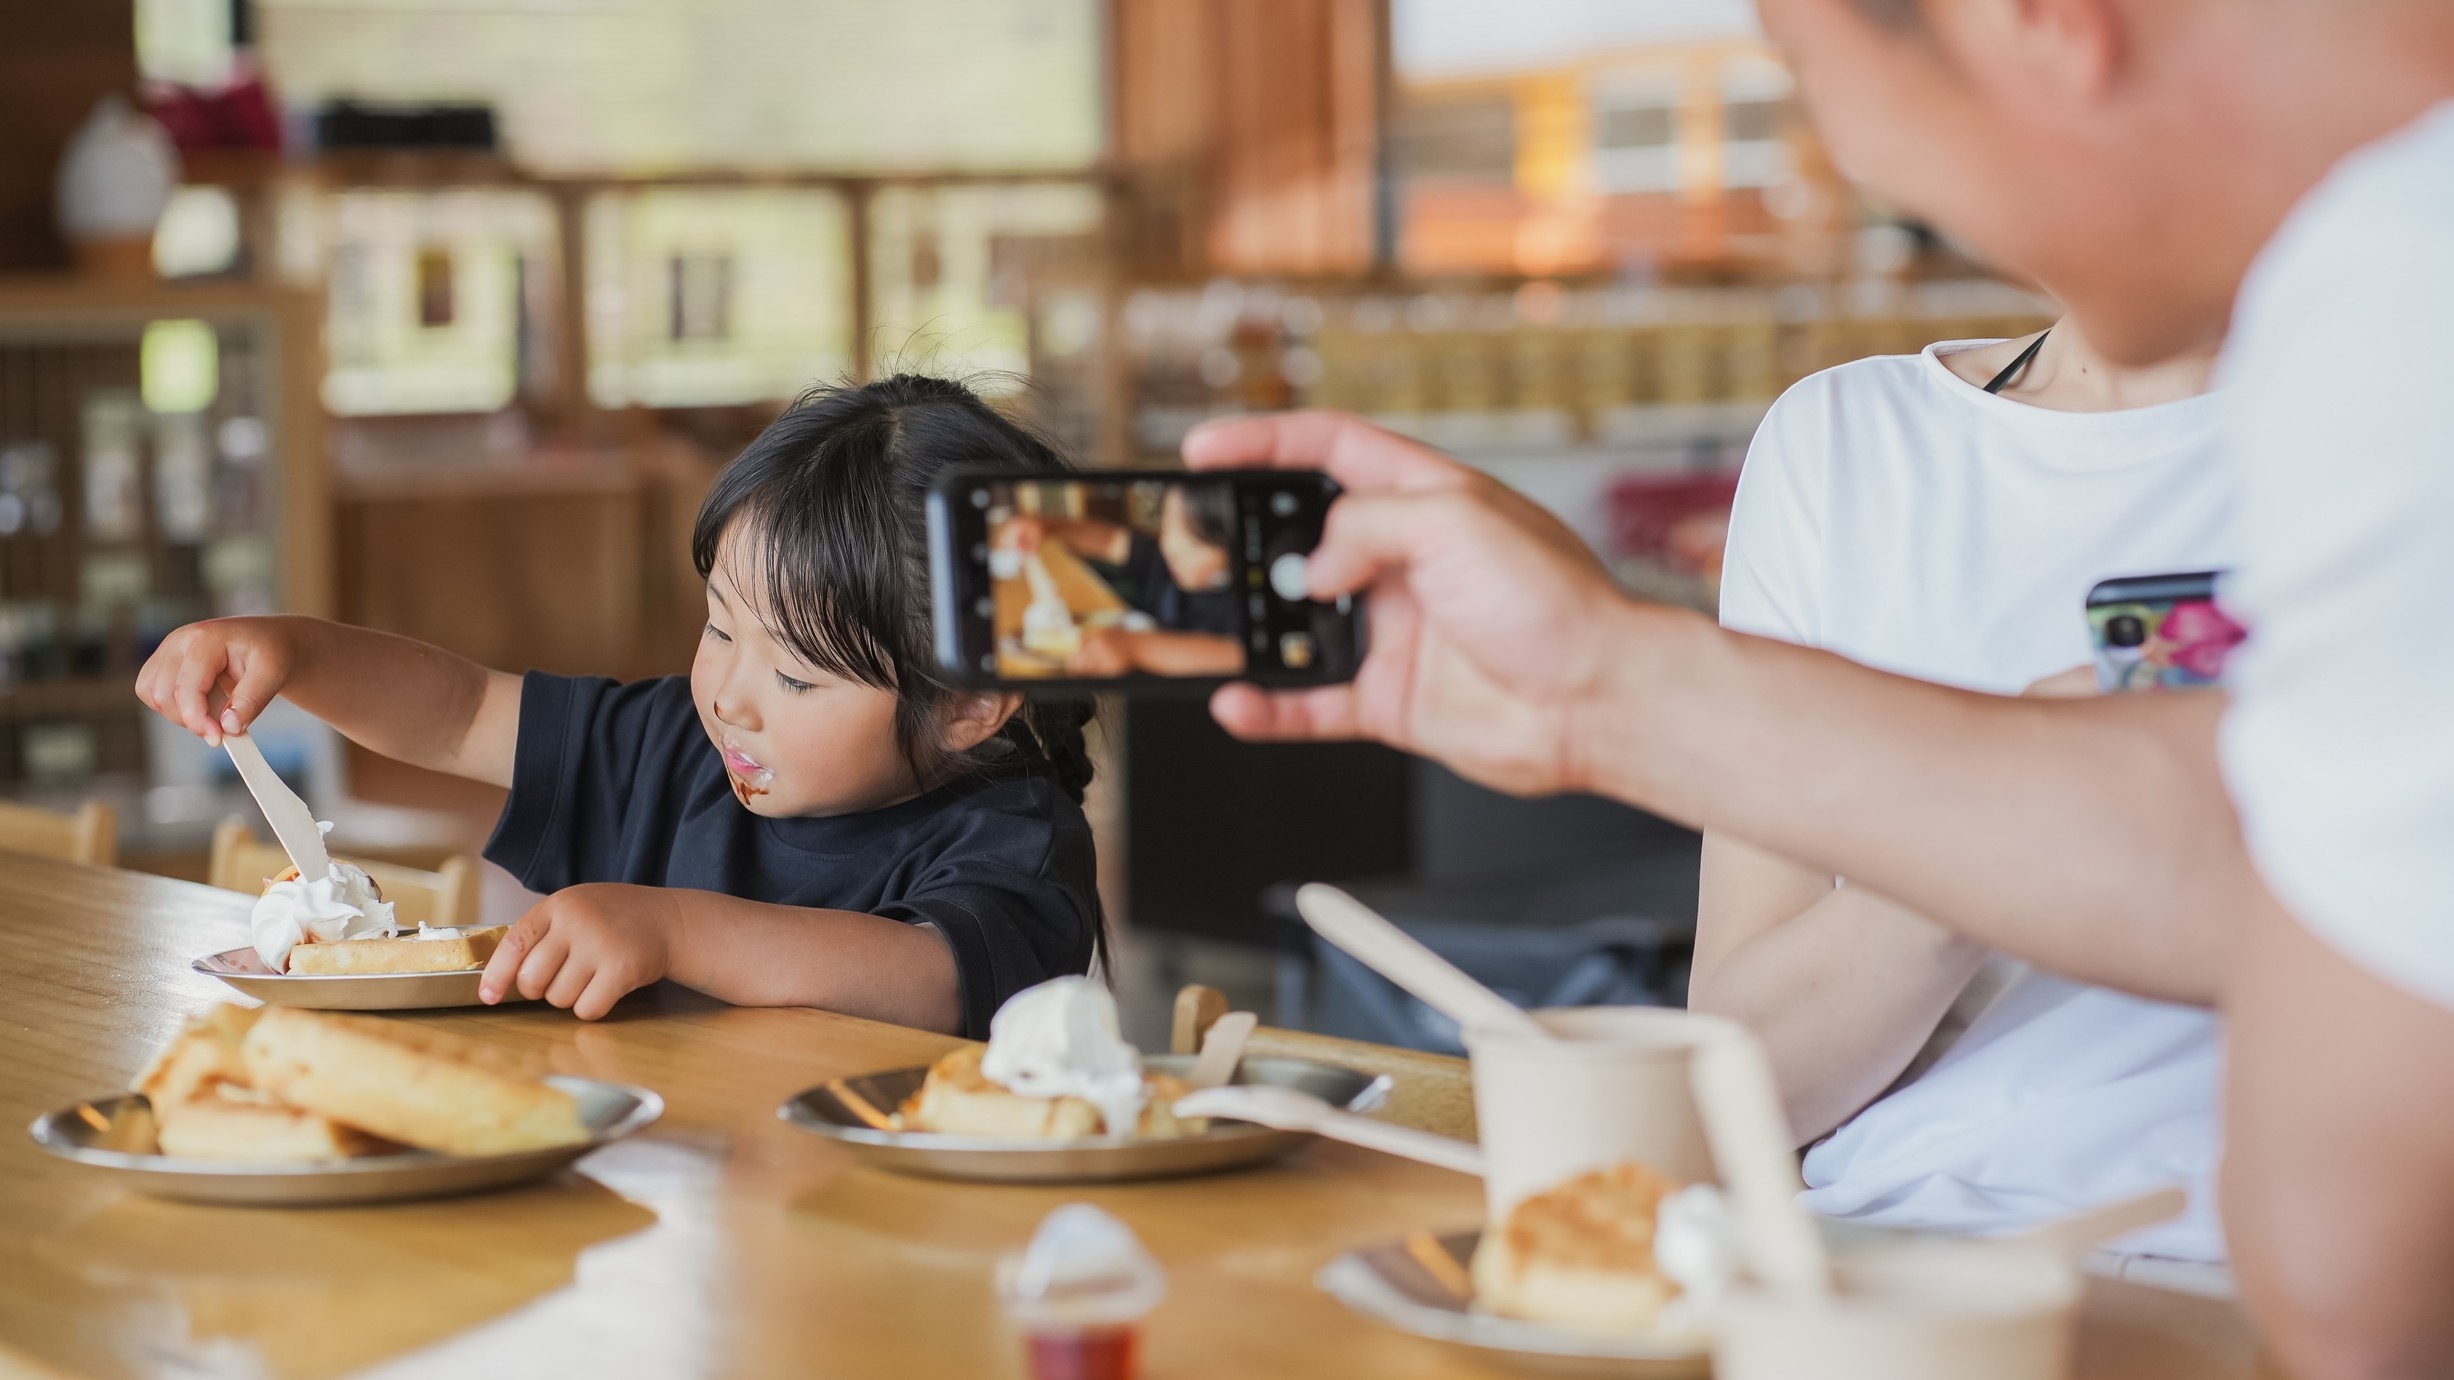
{"type": "Point", "coordinates": [1078, 1295]}
{"type": "Point", "coordinates": [1934, 1309]}
{"type": "Point", "coordinates": [1616, 1085]}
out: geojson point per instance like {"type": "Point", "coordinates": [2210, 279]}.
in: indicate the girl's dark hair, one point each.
{"type": "Point", "coordinates": [1210, 512]}
{"type": "Point", "coordinates": [836, 492]}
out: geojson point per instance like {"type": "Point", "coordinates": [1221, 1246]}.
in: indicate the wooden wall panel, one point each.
{"type": "Point", "coordinates": [1249, 131]}
{"type": "Point", "coordinates": [56, 59]}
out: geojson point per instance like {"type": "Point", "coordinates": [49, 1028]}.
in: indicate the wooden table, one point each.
{"type": "Point", "coordinates": [721, 1243]}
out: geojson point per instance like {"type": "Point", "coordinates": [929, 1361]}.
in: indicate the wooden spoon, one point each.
{"type": "Point", "coordinates": [1289, 1110]}
{"type": "Point", "coordinates": [1749, 1134]}
{"type": "Point", "coordinates": [1404, 960]}
{"type": "Point", "coordinates": [1222, 1049]}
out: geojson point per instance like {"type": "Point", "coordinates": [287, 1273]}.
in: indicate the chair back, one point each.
{"type": "Point", "coordinates": [1430, 1092]}
{"type": "Point", "coordinates": [91, 835]}
{"type": "Point", "coordinates": [444, 896]}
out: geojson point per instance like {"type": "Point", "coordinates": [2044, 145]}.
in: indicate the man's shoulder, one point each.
{"type": "Point", "coordinates": [2379, 221]}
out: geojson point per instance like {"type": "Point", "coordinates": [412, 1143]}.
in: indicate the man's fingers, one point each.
{"type": "Point", "coordinates": [1249, 712]}
{"type": "Point", "coordinates": [1359, 455]}
{"type": "Point", "coordinates": [1368, 534]}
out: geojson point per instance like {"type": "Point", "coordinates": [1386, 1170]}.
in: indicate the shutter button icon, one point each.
{"type": "Point", "coordinates": [1287, 578]}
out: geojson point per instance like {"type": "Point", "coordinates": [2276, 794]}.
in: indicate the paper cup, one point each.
{"type": "Point", "coordinates": [1926, 1310]}
{"type": "Point", "coordinates": [1617, 1085]}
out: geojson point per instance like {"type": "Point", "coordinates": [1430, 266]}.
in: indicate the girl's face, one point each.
{"type": "Point", "coordinates": [1195, 562]}
{"type": "Point", "coordinates": [796, 740]}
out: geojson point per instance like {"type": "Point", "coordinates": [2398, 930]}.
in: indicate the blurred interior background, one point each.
{"type": "Point", "coordinates": [438, 316]}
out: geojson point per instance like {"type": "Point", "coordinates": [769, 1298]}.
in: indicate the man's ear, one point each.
{"type": "Point", "coordinates": [974, 719]}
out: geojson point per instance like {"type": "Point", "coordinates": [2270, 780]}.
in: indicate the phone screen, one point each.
{"type": "Point", "coordinates": [2160, 632]}
{"type": "Point", "coordinates": [1143, 577]}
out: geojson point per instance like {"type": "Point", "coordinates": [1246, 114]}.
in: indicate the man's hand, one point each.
{"type": "Point", "coordinates": [584, 947]}
{"type": "Point", "coordinates": [1494, 629]}
{"type": "Point", "coordinates": [243, 662]}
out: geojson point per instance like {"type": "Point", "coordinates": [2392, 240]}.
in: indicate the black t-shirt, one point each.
{"type": "Point", "coordinates": [618, 783]}
{"type": "Point", "coordinates": [1171, 605]}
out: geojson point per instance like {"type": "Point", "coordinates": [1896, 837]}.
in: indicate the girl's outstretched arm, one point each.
{"type": "Point", "coordinates": [410, 701]}
{"type": "Point", "coordinates": [585, 946]}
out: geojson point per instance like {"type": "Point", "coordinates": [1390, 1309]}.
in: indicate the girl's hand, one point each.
{"type": "Point", "coordinates": [584, 947]}
{"type": "Point", "coordinates": [244, 661]}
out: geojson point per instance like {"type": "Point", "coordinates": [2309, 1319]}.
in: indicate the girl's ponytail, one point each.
{"type": "Point", "coordinates": [1056, 728]}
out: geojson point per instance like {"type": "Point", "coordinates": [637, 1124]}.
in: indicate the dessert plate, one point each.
{"type": "Point", "coordinates": [834, 1110]}
{"type": "Point", "coordinates": [115, 1135]}
{"type": "Point", "coordinates": [1419, 1284]}
{"type": "Point", "coordinates": [244, 969]}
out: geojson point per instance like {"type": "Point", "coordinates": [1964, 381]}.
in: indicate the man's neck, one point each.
{"type": "Point", "coordinates": [2263, 100]}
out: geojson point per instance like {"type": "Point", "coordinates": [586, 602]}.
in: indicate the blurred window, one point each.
{"type": "Point", "coordinates": [184, 41]}
{"type": "Point", "coordinates": [640, 87]}
{"type": "Point", "coordinates": [1755, 116]}
{"type": "Point", "coordinates": [1636, 134]}
{"type": "Point", "coordinates": [427, 310]}
{"type": "Point", "coordinates": [703, 297]}
{"type": "Point", "coordinates": [1472, 139]}
{"type": "Point", "coordinates": [954, 269]}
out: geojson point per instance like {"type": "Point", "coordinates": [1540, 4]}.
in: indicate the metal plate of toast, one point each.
{"type": "Point", "coordinates": [1225, 1145]}
{"type": "Point", "coordinates": [244, 969]}
{"type": "Point", "coordinates": [1419, 1285]}
{"type": "Point", "coordinates": [116, 1135]}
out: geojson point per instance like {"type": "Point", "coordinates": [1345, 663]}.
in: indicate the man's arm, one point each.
{"type": "Point", "coordinates": [2093, 837]}
{"type": "Point", "coordinates": [1842, 986]}
{"type": "Point", "coordinates": [2338, 1179]}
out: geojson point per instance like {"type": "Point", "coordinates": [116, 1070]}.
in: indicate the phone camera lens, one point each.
{"type": "Point", "coordinates": [2126, 630]}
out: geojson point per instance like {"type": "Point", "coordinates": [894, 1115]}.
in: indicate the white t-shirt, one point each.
{"type": "Point", "coordinates": [2339, 749]}
{"type": "Point", "coordinates": [1894, 513]}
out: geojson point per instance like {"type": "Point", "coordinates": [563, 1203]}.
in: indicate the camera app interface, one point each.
{"type": "Point", "coordinates": [1108, 580]}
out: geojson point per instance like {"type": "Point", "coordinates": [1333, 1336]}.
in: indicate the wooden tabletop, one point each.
{"type": "Point", "coordinates": [721, 1243]}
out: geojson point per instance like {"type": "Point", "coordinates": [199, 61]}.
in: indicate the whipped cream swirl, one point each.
{"type": "Point", "coordinates": [1060, 1039]}
{"type": "Point", "coordinates": [341, 904]}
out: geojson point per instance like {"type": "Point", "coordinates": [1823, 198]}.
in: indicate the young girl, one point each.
{"type": "Point", "coordinates": [812, 818]}
{"type": "Point", "coordinates": [1942, 515]}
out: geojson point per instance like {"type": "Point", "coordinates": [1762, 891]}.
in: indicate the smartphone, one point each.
{"type": "Point", "coordinates": [1135, 579]}
{"type": "Point", "coordinates": [2160, 632]}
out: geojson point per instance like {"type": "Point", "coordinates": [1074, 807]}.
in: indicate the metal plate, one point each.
{"type": "Point", "coordinates": [1389, 1284]}
{"type": "Point", "coordinates": [1226, 1145]}
{"type": "Point", "coordinates": [115, 1135]}
{"type": "Point", "coordinates": [244, 969]}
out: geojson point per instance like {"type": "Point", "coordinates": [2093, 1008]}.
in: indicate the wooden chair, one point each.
{"type": "Point", "coordinates": [91, 835]}
{"type": "Point", "coordinates": [445, 896]}
{"type": "Point", "coordinates": [1432, 1092]}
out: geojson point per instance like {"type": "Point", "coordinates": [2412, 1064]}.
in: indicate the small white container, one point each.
{"type": "Point", "coordinates": [1933, 1309]}
{"type": "Point", "coordinates": [1617, 1085]}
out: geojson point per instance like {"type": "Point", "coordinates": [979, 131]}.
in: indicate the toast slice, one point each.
{"type": "Point", "coordinates": [1580, 1255]}
{"type": "Point", "coordinates": [222, 1123]}
{"type": "Point", "coordinates": [205, 1053]}
{"type": "Point", "coordinates": [408, 1083]}
{"type": "Point", "coordinates": [350, 957]}
{"type": "Point", "coordinates": [958, 1099]}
